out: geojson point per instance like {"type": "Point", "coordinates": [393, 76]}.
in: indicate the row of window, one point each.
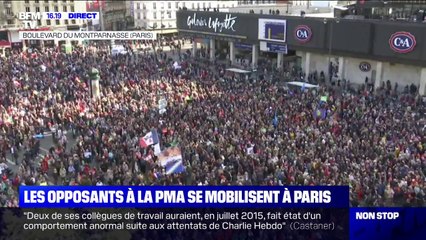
{"type": "Point", "coordinates": [57, 22]}
{"type": "Point", "coordinates": [48, 22]}
{"type": "Point", "coordinates": [154, 15]}
{"type": "Point", "coordinates": [157, 25]}
{"type": "Point", "coordinates": [255, 1]}
{"type": "Point", "coordinates": [46, 1]}
{"type": "Point", "coordinates": [47, 9]}
{"type": "Point", "coordinates": [169, 5]}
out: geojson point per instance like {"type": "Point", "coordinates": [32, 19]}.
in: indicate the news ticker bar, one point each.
{"type": "Point", "coordinates": [182, 196]}
{"type": "Point", "coordinates": [57, 15]}
{"type": "Point", "coordinates": [327, 223]}
{"type": "Point", "coordinates": [87, 35]}
{"type": "Point", "coordinates": [330, 223]}
{"type": "Point", "coordinates": [322, 210]}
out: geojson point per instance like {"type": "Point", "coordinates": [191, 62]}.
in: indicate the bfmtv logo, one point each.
{"type": "Point", "coordinates": [402, 42]}
{"type": "Point", "coordinates": [303, 33]}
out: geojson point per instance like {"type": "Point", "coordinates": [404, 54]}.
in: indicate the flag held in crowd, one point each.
{"type": "Point", "coordinates": [149, 139]}
{"type": "Point", "coordinates": [171, 159]}
{"type": "Point", "coordinates": [162, 103]}
{"type": "Point", "coordinates": [17, 84]}
{"type": "Point", "coordinates": [250, 150]}
{"type": "Point", "coordinates": [320, 113]}
{"type": "Point", "coordinates": [324, 98]}
{"type": "Point", "coordinates": [188, 99]}
{"type": "Point", "coordinates": [157, 149]}
{"type": "Point", "coordinates": [38, 136]}
{"type": "Point", "coordinates": [176, 65]}
{"type": "Point", "coordinates": [275, 120]}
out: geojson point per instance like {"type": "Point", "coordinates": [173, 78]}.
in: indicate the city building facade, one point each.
{"type": "Point", "coordinates": [413, 11]}
{"type": "Point", "coordinates": [160, 16]}
{"type": "Point", "coordinates": [9, 19]}
{"type": "Point", "coordinates": [372, 52]}
{"type": "Point", "coordinates": [10, 25]}
{"type": "Point", "coordinates": [262, 7]}
{"type": "Point", "coordinates": [114, 15]}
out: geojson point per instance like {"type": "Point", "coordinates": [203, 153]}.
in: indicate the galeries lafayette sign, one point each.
{"type": "Point", "coordinates": [217, 24]}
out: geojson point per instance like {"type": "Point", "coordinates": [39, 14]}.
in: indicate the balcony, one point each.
{"type": "Point", "coordinates": [10, 16]}
{"type": "Point", "coordinates": [11, 26]}
{"type": "Point", "coordinates": [7, 4]}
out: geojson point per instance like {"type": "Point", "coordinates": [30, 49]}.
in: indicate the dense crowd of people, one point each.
{"type": "Point", "coordinates": [231, 131]}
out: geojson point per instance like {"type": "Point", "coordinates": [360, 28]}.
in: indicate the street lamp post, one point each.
{"type": "Point", "coordinates": [94, 83]}
{"type": "Point", "coordinates": [330, 43]}
{"type": "Point", "coordinates": [161, 28]}
{"type": "Point", "coordinates": [161, 22]}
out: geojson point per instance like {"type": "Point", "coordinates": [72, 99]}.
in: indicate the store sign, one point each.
{"type": "Point", "coordinates": [243, 46]}
{"type": "Point", "coordinates": [365, 66]}
{"type": "Point", "coordinates": [303, 33]}
{"type": "Point", "coordinates": [273, 47]}
{"type": "Point", "coordinates": [218, 25]}
{"type": "Point", "coordinates": [402, 42]}
{"type": "Point", "coordinates": [202, 40]}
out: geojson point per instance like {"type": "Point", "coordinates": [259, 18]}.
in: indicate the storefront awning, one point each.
{"type": "Point", "coordinates": [303, 84]}
{"type": "Point", "coordinates": [237, 70]}
{"type": "Point", "coordinates": [4, 43]}
{"type": "Point", "coordinates": [165, 31]}
{"type": "Point", "coordinates": [35, 30]}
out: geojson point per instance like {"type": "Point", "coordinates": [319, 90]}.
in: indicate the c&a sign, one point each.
{"type": "Point", "coordinates": [402, 42]}
{"type": "Point", "coordinates": [303, 33]}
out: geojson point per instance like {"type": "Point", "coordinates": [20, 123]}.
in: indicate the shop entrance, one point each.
{"type": "Point", "coordinates": [243, 54]}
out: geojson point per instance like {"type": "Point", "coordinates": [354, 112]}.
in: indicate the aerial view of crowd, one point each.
{"type": "Point", "coordinates": [226, 129]}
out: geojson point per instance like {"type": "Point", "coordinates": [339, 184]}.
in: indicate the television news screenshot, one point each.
{"type": "Point", "coordinates": [212, 120]}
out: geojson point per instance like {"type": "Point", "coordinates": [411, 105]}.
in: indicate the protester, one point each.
{"type": "Point", "coordinates": [231, 131]}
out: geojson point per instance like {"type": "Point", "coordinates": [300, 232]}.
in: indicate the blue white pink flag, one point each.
{"type": "Point", "coordinates": [149, 139]}
{"type": "Point", "coordinates": [157, 149]}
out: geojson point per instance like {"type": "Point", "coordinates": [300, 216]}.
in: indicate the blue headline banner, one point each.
{"type": "Point", "coordinates": [183, 196]}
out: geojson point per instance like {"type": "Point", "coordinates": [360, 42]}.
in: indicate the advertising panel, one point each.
{"type": "Point", "coordinates": [272, 30]}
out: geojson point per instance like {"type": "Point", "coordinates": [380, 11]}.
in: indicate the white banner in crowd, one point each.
{"type": "Point", "coordinates": [162, 104]}
{"type": "Point", "coordinates": [43, 68]}
{"type": "Point", "coordinates": [176, 65]}
{"type": "Point", "coordinates": [171, 159]}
